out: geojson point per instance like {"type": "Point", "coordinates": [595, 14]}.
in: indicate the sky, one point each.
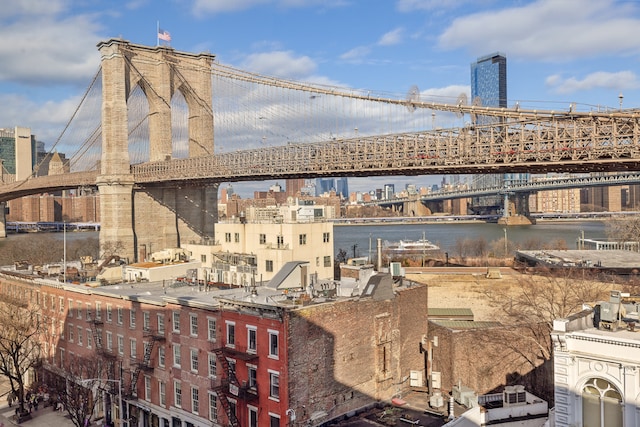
{"type": "Point", "coordinates": [558, 52]}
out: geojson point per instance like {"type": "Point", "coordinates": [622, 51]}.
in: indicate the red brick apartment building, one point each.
{"type": "Point", "coordinates": [261, 357]}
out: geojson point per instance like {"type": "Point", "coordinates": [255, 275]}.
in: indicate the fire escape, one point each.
{"type": "Point", "coordinates": [107, 356]}
{"type": "Point", "coordinates": [144, 365]}
{"type": "Point", "coordinates": [229, 387]}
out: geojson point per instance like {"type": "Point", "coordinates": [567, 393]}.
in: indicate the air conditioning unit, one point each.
{"type": "Point", "coordinates": [396, 269]}
{"type": "Point", "coordinates": [415, 379]}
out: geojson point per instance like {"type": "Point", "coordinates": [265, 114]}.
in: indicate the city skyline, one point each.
{"type": "Point", "coordinates": [583, 54]}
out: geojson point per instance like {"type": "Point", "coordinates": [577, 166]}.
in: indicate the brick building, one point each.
{"type": "Point", "coordinates": [194, 356]}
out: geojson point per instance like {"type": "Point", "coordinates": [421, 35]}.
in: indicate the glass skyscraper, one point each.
{"type": "Point", "coordinates": [489, 80]}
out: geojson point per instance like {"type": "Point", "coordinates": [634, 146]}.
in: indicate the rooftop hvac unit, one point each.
{"type": "Point", "coordinates": [464, 396]}
{"type": "Point", "coordinates": [416, 379]}
{"type": "Point", "coordinates": [436, 400]}
{"type": "Point", "coordinates": [396, 269]}
{"type": "Point", "coordinates": [435, 380]}
{"type": "Point", "coordinates": [514, 395]}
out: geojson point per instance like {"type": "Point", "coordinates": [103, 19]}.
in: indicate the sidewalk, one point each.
{"type": "Point", "coordinates": [43, 417]}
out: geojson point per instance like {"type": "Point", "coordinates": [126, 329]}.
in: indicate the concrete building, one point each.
{"type": "Point", "coordinates": [597, 369]}
{"type": "Point", "coordinates": [189, 356]}
{"type": "Point", "coordinates": [17, 151]}
{"type": "Point", "coordinates": [258, 244]}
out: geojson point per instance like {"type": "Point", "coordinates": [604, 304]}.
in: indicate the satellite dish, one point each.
{"type": "Point", "coordinates": [461, 101]}
{"type": "Point", "coordinates": [413, 96]}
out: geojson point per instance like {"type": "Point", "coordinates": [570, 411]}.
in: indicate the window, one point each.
{"type": "Point", "coordinates": [195, 400]}
{"type": "Point", "coordinates": [132, 346]}
{"type": "Point", "coordinates": [326, 237]}
{"type": "Point", "coordinates": [80, 335]}
{"type": "Point", "coordinates": [146, 321]}
{"type": "Point", "coordinates": [203, 258]}
{"type": "Point", "coordinates": [231, 334]}
{"type": "Point", "coordinates": [252, 373]}
{"type": "Point", "coordinates": [177, 394]}
{"type": "Point", "coordinates": [109, 341]}
{"type": "Point", "coordinates": [273, 344]}
{"type": "Point", "coordinates": [161, 356]}
{"type": "Point", "coordinates": [87, 311]}
{"type": "Point", "coordinates": [176, 321]}
{"type": "Point", "coordinates": [251, 337]}
{"type": "Point", "coordinates": [132, 318]}
{"type": "Point", "coordinates": [109, 315]}
{"type": "Point", "coordinates": [227, 237]}
{"type": "Point", "coordinates": [211, 326]}
{"type": "Point", "coordinates": [61, 329]}
{"type": "Point", "coordinates": [269, 265]}
{"type": "Point", "coordinates": [601, 404]}
{"type": "Point", "coordinates": [147, 388]}
{"type": "Point", "coordinates": [120, 316]}
{"type": "Point", "coordinates": [162, 391]}
{"type": "Point", "coordinates": [236, 237]}
{"type": "Point", "coordinates": [280, 240]}
{"type": "Point", "coordinates": [263, 239]}
{"type": "Point", "coordinates": [302, 239]}
{"type": "Point", "coordinates": [70, 310]}
{"type": "Point", "coordinates": [213, 407]}
{"type": "Point", "coordinates": [120, 344]}
{"type": "Point", "coordinates": [274, 385]}
{"type": "Point", "coordinates": [194, 325]}
{"type": "Point", "coordinates": [177, 359]}
{"type": "Point", "coordinates": [53, 302]}
{"type": "Point", "coordinates": [327, 261]}
{"type": "Point", "coordinates": [89, 339]}
{"type": "Point", "coordinates": [253, 416]}
{"type": "Point", "coordinates": [98, 310]}
{"type": "Point", "coordinates": [61, 304]}
{"type": "Point", "coordinates": [71, 333]}
{"type": "Point", "coordinates": [161, 324]}
{"type": "Point", "coordinates": [194, 360]}
{"type": "Point", "coordinates": [78, 309]}
{"type": "Point", "coordinates": [274, 420]}
{"type": "Point", "coordinates": [213, 361]}
{"type": "Point", "coordinates": [232, 367]}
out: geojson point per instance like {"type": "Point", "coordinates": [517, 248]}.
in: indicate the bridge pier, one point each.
{"type": "Point", "coordinates": [167, 217]}
{"type": "Point", "coordinates": [415, 208]}
{"type": "Point", "coordinates": [516, 210]}
{"type": "Point", "coordinates": [116, 216]}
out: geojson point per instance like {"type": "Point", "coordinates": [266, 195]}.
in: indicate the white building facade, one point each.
{"type": "Point", "coordinates": [597, 374]}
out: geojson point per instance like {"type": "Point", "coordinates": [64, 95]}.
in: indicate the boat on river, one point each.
{"type": "Point", "coordinates": [410, 247]}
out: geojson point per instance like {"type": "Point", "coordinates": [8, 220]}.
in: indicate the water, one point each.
{"type": "Point", "coordinates": [445, 234]}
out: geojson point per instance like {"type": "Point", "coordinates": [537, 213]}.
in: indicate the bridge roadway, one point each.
{"type": "Point", "coordinates": [577, 142]}
{"type": "Point", "coordinates": [522, 187]}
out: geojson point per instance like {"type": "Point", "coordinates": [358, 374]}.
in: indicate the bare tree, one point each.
{"type": "Point", "coordinates": [76, 394]}
{"type": "Point", "coordinates": [529, 309]}
{"type": "Point", "coordinates": [23, 331]}
{"type": "Point", "coordinates": [626, 229]}
{"type": "Point", "coordinates": [47, 248]}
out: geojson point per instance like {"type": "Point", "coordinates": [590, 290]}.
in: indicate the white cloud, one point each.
{"type": "Point", "coordinates": [43, 49]}
{"type": "Point", "coordinates": [356, 54]}
{"type": "Point", "coordinates": [412, 5]}
{"type": "Point", "coordinates": [601, 79]}
{"type": "Point", "coordinates": [391, 38]}
{"type": "Point", "coordinates": [548, 30]}
{"type": "Point", "coordinates": [32, 8]}
{"type": "Point", "coordinates": [280, 63]}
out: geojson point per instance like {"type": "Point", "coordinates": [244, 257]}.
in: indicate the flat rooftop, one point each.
{"type": "Point", "coordinates": [607, 260]}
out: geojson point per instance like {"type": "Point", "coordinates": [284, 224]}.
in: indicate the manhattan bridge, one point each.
{"type": "Point", "coordinates": [158, 130]}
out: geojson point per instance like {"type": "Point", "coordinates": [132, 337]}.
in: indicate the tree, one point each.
{"type": "Point", "coordinates": [82, 377]}
{"type": "Point", "coordinates": [625, 229]}
{"type": "Point", "coordinates": [23, 332]}
{"type": "Point", "coordinates": [47, 248]}
{"type": "Point", "coordinates": [529, 309]}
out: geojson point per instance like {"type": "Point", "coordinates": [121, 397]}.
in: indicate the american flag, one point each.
{"type": "Point", "coordinates": [164, 35]}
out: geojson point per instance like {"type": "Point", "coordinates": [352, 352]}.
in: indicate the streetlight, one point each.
{"type": "Point", "coordinates": [620, 97]}
{"type": "Point", "coordinates": [506, 242]}
{"type": "Point", "coordinates": [120, 415]}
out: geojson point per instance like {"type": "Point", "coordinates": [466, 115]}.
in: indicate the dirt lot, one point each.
{"type": "Point", "coordinates": [465, 290]}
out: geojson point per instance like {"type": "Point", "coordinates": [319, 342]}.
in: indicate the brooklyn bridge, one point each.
{"type": "Point", "coordinates": [145, 129]}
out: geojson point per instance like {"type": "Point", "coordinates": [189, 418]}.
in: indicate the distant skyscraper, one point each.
{"type": "Point", "coordinates": [489, 80]}
{"type": "Point", "coordinates": [324, 185]}
{"type": "Point", "coordinates": [342, 187]}
{"type": "Point", "coordinates": [17, 151]}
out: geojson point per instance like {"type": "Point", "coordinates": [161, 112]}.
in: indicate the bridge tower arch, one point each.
{"type": "Point", "coordinates": [137, 221]}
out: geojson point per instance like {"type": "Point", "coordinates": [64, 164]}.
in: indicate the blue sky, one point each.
{"type": "Point", "coordinates": [558, 51]}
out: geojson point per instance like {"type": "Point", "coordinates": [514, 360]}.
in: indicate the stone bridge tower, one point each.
{"type": "Point", "coordinates": [137, 221]}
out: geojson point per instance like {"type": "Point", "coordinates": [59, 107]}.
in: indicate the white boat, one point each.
{"type": "Point", "coordinates": [411, 246]}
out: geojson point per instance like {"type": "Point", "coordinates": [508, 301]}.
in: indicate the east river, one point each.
{"type": "Point", "coordinates": [444, 234]}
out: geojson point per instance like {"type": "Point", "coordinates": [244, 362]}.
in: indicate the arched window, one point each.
{"type": "Point", "coordinates": [601, 404]}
